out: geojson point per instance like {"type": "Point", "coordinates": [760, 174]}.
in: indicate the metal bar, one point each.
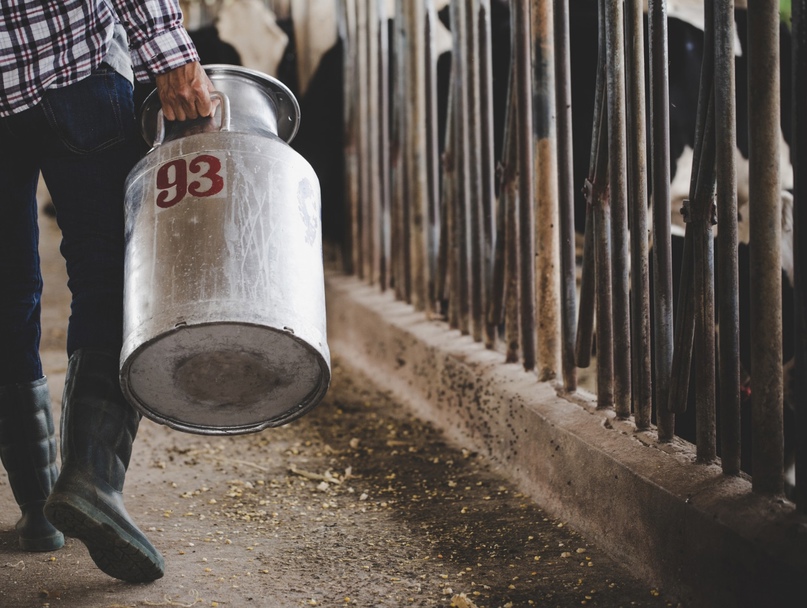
{"type": "Point", "coordinates": [694, 215]}
{"type": "Point", "coordinates": [432, 157]}
{"type": "Point", "coordinates": [373, 141]}
{"type": "Point", "coordinates": [507, 189]}
{"type": "Point", "coordinates": [704, 280]}
{"type": "Point", "coordinates": [400, 211]}
{"type": "Point", "coordinates": [449, 233]}
{"type": "Point", "coordinates": [584, 340]}
{"type": "Point", "coordinates": [662, 250]}
{"type": "Point", "coordinates": [512, 322]}
{"type": "Point", "coordinates": [678, 394]}
{"type": "Point", "coordinates": [487, 168]}
{"type": "Point", "coordinates": [417, 173]}
{"type": "Point", "coordinates": [563, 105]}
{"type": "Point", "coordinates": [765, 233]}
{"type": "Point", "coordinates": [601, 206]}
{"type": "Point", "coordinates": [384, 142]}
{"type": "Point", "coordinates": [728, 273]}
{"type": "Point", "coordinates": [509, 200]}
{"type": "Point", "coordinates": [799, 152]}
{"type": "Point", "coordinates": [347, 27]}
{"type": "Point", "coordinates": [520, 22]}
{"type": "Point", "coordinates": [585, 320]}
{"type": "Point", "coordinates": [365, 270]}
{"type": "Point", "coordinates": [605, 341]}
{"type": "Point", "coordinates": [642, 388]}
{"type": "Point", "coordinates": [615, 41]}
{"type": "Point", "coordinates": [470, 47]}
{"type": "Point", "coordinates": [547, 258]}
{"type": "Point", "coordinates": [462, 218]}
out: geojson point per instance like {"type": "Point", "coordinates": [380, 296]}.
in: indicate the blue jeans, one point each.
{"type": "Point", "coordinates": [83, 138]}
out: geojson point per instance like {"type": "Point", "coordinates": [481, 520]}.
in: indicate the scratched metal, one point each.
{"type": "Point", "coordinates": [224, 313]}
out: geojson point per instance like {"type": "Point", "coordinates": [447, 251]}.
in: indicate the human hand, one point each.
{"type": "Point", "coordinates": [185, 92]}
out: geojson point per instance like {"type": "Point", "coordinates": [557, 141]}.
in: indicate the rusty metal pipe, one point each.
{"type": "Point", "coordinates": [520, 23]}
{"type": "Point", "coordinates": [487, 156]}
{"type": "Point", "coordinates": [765, 234]}
{"type": "Point", "coordinates": [563, 105]}
{"type": "Point", "coordinates": [662, 249]}
{"type": "Point", "coordinates": [469, 37]}
{"type": "Point", "coordinates": [547, 260]}
{"type": "Point", "coordinates": [637, 203]}
{"type": "Point", "coordinates": [373, 143]}
{"type": "Point", "coordinates": [585, 319]}
{"type": "Point", "coordinates": [799, 151]}
{"type": "Point", "coordinates": [697, 210]}
{"type": "Point", "coordinates": [416, 157]}
{"type": "Point", "coordinates": [462, 184]}
{"type": "Point", "coordinates": [727, 265]}
{"type": "Point", "coordinates": [347, 31]}
{"type": "Point", "coordinates": [704, 281]}
{"type": "Point", "coordinates": [617, 159]}
{"type": "Point", "coordinates": [384, 143]}
{"type": "Point", "coordinates": [584, 340]}
{"type": "Point", "coordinates": [432, 168]}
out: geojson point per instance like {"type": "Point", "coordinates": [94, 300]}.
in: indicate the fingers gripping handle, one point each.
{"type": "Point", "coordinates": [224, 104]}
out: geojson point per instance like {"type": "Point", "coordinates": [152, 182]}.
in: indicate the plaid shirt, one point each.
{"type": "Point", "coordinates": [47, 44]}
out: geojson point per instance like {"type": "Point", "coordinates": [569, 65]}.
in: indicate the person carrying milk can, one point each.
{"type": "Point", "coordinates": [66, 109]}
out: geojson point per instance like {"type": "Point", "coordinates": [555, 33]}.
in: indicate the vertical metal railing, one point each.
{"type": "Point", "coordinates": [494, 249]}
{"type": "Point", "coordinates": [728, 272]}
{"type": "Point", "coordinates": [799, 153]}
{"type": "Point", "coordinates": [563, 109]}
{"type": "Point", "coordinates": [765, 255]}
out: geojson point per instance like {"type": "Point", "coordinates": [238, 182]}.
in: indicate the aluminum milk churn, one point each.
{"type": "Point", "coordinates": [224, 302]}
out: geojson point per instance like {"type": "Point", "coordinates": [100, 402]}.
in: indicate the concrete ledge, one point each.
{"type": "Point", "coordinates": [699, 535]}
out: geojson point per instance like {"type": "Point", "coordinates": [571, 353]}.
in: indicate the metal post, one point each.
{"type": "Point", "coordinates": [347, 27]}
{"type": "Point", "coordinates": [487, 169]}
{"type": "Point", "coordinates": [520, 21]}
{"type": "Point", "coordinates": [384, 142]}
{"type": "Point", "coordinates": [563, 105]}
{"type": "Point", "coordinates": [637, 202]}
{"type": "Point", "coordinates": [765, 233]}
{"type": "Point", "coordinates": [547, 260]}
{"type": "Point", "coordinates": [728, 273]}
{"type": "Point", "coordinates": [615, 42]}
{"type": "Point", "coordinates": [662, 249]}
{"type": "Point", "coordinates": [462, 291]}
{"type": "Point", "coordinates": [799, 151]}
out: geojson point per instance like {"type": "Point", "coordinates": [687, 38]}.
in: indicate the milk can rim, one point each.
{"type": "Point", "coordinates": [288, 110]}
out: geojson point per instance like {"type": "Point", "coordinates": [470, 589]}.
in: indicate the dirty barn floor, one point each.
{"type": "Point", "coordinates": [356, 504]}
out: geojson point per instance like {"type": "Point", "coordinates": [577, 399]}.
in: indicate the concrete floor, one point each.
{"type": "Point", "coordinates": [358, 503]}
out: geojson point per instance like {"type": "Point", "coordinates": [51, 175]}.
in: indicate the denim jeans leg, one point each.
{"type": "Point", "coordinates": [94, 147]}
{"type": "Point", "coordinates": [20, 278]}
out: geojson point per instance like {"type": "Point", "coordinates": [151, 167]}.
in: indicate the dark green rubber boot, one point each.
{"type": "Point", "coordinates": [28, 452]}
{"type": "Point", "coordinates": [98, 428]}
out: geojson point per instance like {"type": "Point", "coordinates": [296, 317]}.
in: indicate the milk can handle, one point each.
{"type": "Point", "coordinates": [159, 136]}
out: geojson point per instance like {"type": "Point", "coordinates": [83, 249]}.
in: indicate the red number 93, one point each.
{"type": "Point", "coordinates": [173, 183]}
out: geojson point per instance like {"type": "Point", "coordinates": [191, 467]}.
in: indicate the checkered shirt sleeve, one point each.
{"type": "Point", "coordinates": [52, 43]}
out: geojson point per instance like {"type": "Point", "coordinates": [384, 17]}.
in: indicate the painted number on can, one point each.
{"type": "Point", "coordinates": [200, 177]}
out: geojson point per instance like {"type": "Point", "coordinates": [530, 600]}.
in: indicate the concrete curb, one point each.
{"type": "Point", "coordinates": [697, 534]}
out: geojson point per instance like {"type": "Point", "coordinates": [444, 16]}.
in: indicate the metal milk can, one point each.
{"type": "Point", "coordinates": [224, 302]}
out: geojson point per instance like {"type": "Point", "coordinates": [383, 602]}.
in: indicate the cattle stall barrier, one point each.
{"type": "Point", "coordinates": [463, 252]}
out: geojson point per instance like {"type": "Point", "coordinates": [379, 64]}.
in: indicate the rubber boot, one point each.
{"type": "Point", "coordinates": [28, 451]}
{"type": "Point", "coordinates": [98, 428]}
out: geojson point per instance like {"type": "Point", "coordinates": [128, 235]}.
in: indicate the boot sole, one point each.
{"type": "Point", "coordinates": [113, 550]}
